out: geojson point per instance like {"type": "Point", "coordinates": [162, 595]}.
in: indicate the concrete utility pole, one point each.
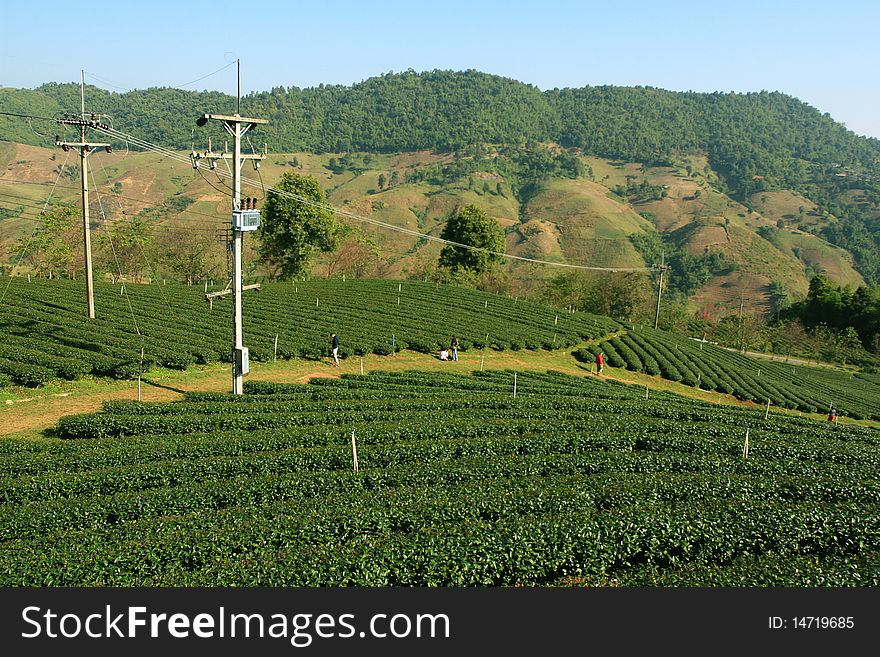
{"type": "Point", "coordinates": [244, 218]}
{"type": "Point", "coordinates": [661, 268]}
{"type": "Point", "coordinates": [85, 148]}
{"type": "Point", "coordinates": [742, 335]}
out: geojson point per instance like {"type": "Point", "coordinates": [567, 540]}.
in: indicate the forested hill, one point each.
{"type": "Point", "coordinates": [756, 142]}
{"type": "Point", "coordinates": [746, 135]}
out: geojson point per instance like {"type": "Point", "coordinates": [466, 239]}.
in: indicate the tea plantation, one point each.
{"type": "Point", "coordinates": [46, 334]}
{"type": "Point", "coordinates": [710, 367]}
{"type": "Point", "coordinates": [459, 483]}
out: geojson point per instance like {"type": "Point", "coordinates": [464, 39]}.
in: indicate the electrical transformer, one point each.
{"type": "Point", "coordinates": [245, 219]}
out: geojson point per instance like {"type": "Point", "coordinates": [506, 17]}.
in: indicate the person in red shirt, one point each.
{"type": "Point", "coordinates": [600, 362]}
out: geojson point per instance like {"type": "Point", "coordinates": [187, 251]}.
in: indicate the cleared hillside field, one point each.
{"type": "Point", "coordinates": [46, 334]}
{"type": "Point", "coordinates": [459, 483]}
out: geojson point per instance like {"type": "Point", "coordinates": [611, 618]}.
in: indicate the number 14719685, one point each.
{"type": "Point", "coordinates": [811, 623]}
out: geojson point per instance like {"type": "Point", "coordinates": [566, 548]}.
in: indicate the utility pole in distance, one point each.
{"type": "Point", "coordinates": [661, 268]}
{"type": "Point", "coordinates": [85, 149]}
{"type": "Point", "coordinates": [742, 334]}
{"type": "Point", "coordinates": [243, 219]}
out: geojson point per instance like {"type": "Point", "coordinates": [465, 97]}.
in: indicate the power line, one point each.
{"type": "Point", "coordinates": [32, 213]}
{"type": "Point", "coordinates": [27, 116]}
{"type": "Point", "coordinates": [375, 222]}
{"type": "Point", "coordinates": [146, 145]}
{"type": "Point", "coordinates": [117, 85]}
{"type": "Point", "coordinates": [105, 223]}
{"type": "Point", "coordinates": [122, 196]}
{"type": "Point", "coordinates": [186, 84]}
{"type": "Point", "coordinates": [34, 231]}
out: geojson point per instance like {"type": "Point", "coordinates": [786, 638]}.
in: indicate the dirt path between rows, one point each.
{"type": "Point", "coordinates": [42, 410]}
{"type": "Point", "coordinates": [36, 410]}
{"type": "Point", "coordinates": [33, 411]}
{"type": "Point", "coordinates": [791, 360]}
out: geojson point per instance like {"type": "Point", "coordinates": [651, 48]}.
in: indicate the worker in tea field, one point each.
{"type": "Point", "coordinates": [334, 349]}
{"type": "Point", "coordinates": [832, 415]}
{"type": "Point", "coordinates": [600, 362]}
{"type": "Point", "coordinates": [454, 348]}
{"type": "Point", "coordinates": [444, 354]}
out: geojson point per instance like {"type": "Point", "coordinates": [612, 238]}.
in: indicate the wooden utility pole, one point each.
{"type": "Point", "coordinates": [85, 149]}
{"type": "Point", "coordinates": [244, 218]}
{"type": "Point", "coordinates": [661, 268]}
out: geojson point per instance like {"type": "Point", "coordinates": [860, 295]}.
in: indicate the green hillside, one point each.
{"type": "Point", "coordinates": [587, 216]}
{"type": "Point", "coordinates": [752, 142]}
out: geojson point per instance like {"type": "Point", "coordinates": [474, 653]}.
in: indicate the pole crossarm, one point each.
{"type": "Point", "coordinates": [223, 293]}
{"type": "Point", "coordinates": [233, 118]}
{"type": "Point", "coordinates": [87, 146]}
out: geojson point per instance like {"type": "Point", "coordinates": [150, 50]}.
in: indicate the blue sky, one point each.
{"type": "Point", "coordinates": [825, 53]}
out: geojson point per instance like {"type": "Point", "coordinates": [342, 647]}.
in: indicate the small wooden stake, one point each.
{"type": "Point", "coordinates": [746, 446]}
{"type": "Point", "coordinates": [275, 357]}
{"type": "Point", "coordinates": [767, 412]}
{"type": "Point", "coordinates": [354, 451]}
{"type": "Point", "coordinates": [140, 371]}
{"type": "Point", "coordinates": [514, 385]}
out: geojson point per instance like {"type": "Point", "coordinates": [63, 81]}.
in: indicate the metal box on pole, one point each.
{"type": "Point", "coordinates": [242, 359]}
{"type": "Point", "coordinates": [245, 220]}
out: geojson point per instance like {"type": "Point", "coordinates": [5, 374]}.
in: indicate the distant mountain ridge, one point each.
{"type": "Point", "coordinates": [448, 110]}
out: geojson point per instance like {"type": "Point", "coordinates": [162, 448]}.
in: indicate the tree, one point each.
{"type": "Point", "coordinates": [56, 243]}
{"type": "Point", "coordinates": [472, 226]}
{"type": "Point", "coordinates": [192, 254]}
{"type": "Point", "coordinates": [296, 224]}
{"type": "Point", "coordinates": [122, 248]}
{"type": "Point", "coordinates": [850, 343]}
{"type": "Point", "coordinates": [381, 181]}
{"type": "Point", "coordinates": [621, 295]}
{"type": "Point", "coordinates": [793, 335]}
{"type": "Point", "coordinates": [357, 254]}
